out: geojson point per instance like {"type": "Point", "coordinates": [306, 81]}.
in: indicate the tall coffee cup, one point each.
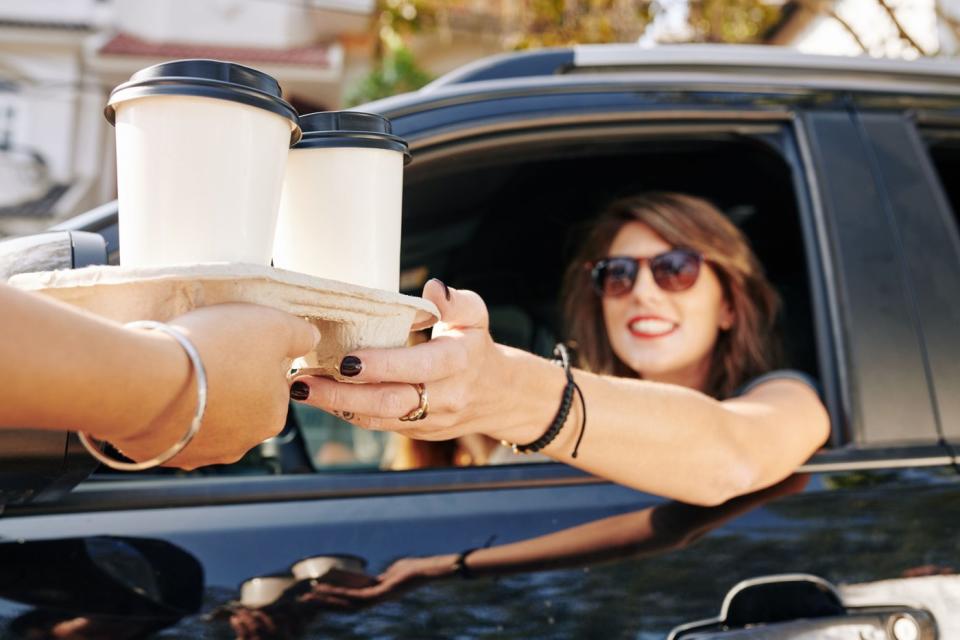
{"type": "Point", "coordinates": [340, 208]}
{"type": "Point", "coordinates": [201, 151]}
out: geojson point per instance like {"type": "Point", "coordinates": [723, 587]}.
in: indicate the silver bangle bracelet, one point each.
{"type": "Point", "coordinates": [201, 374]}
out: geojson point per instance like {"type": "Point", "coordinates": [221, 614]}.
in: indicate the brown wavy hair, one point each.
{"type": "Point", "coordinates": [749, 348]}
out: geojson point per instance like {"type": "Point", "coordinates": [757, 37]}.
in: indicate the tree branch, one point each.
{"type": "Point", "coordinates": [819, 7]}
{"type": "Point", "coordinates": [900, 30]}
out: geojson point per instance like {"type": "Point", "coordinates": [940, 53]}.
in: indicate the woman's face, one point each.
{"type": "Point", "coordinates": [664, 336]}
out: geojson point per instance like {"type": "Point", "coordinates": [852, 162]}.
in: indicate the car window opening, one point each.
{"type": "Point", "coordinates": [505, 222]}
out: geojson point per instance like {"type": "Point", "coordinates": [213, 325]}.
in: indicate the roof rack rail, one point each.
{"type": "Point", "coordinates": [751, 56]}
{"type": "Point", "coordinates": [701, 57]}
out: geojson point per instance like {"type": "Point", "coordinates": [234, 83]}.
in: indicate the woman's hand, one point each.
{"type": "Point", "coordinates": [246, 351]}
{"type": "Point", "coordinates": [473, 384]}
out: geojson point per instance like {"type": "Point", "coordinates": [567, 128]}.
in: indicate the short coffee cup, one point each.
{"type": "Point", "coordinates": [340, 209]}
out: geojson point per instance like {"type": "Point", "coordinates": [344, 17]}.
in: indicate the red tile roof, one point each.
{"type": "Point", "coordinates": [126, 45]}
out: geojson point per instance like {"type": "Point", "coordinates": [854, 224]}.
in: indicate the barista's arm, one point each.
{"type": "Point", "coordinates": [65, 369]}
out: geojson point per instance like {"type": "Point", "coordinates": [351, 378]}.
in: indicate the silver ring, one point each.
{"type": "Point", "coordinates": [201, 374]}
{"type": "Point", "coordinates": [422, 409]}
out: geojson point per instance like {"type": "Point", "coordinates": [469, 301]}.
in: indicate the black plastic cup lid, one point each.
{"type": "Point", "coordinates": [210, 79]}
{"type": "Point", "coordinates": [331, 129]}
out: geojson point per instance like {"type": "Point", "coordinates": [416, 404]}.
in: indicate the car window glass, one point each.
{"type": "Point", "coordinates": [335, 444]}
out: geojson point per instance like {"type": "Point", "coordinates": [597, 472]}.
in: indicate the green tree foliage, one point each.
{"type": "Point", "coordinates": [567, 22]}
{"type": "Point", "coordinates": [732, 21]}
{"type": "Point", "coordinates": [395, 69]}
{"type": "Point", "coordinates": [531, 24]}
{"type": "Point", "coordinates": [551, 23]}
{"type": "Point", "coordinates": [397, 72]}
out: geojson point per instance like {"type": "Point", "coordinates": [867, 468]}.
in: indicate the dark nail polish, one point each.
{"type": "Point", "coordinates": [350, 366]}
{"type": "Point", "coordinates": [446, 289]}
{"type": "Point", "coordinates": [299, 390]}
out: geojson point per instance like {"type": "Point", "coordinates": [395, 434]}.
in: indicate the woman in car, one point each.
{"type": "Point", "coordinates": [673, 322]}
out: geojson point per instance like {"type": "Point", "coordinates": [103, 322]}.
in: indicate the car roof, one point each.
{"type": "Point", "coordinates": [707, 66]}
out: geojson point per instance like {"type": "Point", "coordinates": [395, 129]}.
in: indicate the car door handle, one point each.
{"type": "Point", "coordinates": [804, 607]}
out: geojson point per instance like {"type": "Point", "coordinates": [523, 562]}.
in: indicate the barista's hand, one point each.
{"type": "Point", "coordinates": [471, 381]}
{"type": "Point", "coordinates": [246, 351]}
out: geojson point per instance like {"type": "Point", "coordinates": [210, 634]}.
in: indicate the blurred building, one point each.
{"type": "Point", "coordinates": [59, 59]}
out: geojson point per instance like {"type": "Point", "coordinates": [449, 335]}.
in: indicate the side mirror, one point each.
{"type": "Point", "coordinates": [44, 465]}
{"type": "Point", "coordinates": [800, 606]}
{"type": "Point", "coordinates": [51, 250]}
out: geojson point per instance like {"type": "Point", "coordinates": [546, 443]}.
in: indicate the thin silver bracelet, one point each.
{"type": "Point", "coordinates": [201, 374]}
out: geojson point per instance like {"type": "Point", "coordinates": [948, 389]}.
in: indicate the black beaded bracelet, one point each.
{"type": "Point", "coordinates": [562, 413]}
{"type": "Point", "coordinates": [460, 567]}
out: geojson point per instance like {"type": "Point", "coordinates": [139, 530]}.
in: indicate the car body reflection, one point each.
{"type": "Point", "coordinates": [604, 570]}
{"type": "Point", "coordinates": [99, 587]}
{"type": "Point", "coordinates": [342, 587]}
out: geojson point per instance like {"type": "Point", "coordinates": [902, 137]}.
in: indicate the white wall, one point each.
{"type": "Point", "coordinates": [58, 11]}
{"type": "Point", "coordinates": [21, 179]}
{"type": "Point", "coordinates": [48, 82]}
{"type": "Point", "coordinates": [217, 22]}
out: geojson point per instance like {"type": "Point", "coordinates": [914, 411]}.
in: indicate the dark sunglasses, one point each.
{"type": "Point", "coordinates": [674, 270]}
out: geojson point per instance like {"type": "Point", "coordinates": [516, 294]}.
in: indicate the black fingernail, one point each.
{"type": "Point", "coordinates": [446, 289]}
{"type": "Point", "coordinates": [299, 390]}
{"type": "Point", "coordinates": [350, 366]}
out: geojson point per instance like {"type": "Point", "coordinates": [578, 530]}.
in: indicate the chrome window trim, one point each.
{"type": "Point", "coordinates": [174, 492]}
{"type": "Point", "coordinates": [829, 272]}
{"type": "Point", "coordinates": [720, 122]}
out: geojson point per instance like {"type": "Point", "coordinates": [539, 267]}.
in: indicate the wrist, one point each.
{"type": "Point", "coordinates": [536, 386]}
{"type": "Point", "coordinates": [460, 566]}
{"type": "Point", "coordinates": [447, 565]}
{"type": "Point", "coordinates": [163, 392]}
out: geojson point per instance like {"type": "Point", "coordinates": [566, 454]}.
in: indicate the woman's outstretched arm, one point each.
{"type": "Point", "coordinates": [659, 438]}
{"type": "Point", "coordinates": [65, 369]}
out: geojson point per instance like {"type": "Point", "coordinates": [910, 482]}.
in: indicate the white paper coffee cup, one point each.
{"type": "Point", "coordinates": [262, 591]}
{"type": "Point", "coordinates": [201, 152]}
{"type": "Point", "coordinates": [341, 204]}
{"type": "Point", "coordinates": [319, 566]}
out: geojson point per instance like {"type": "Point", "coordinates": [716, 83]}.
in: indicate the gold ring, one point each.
{"type": "Point", "coordinates": [421, 411]}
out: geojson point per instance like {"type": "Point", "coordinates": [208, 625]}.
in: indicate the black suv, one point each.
{"type": "Point", "coordinates": [845, 175]}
